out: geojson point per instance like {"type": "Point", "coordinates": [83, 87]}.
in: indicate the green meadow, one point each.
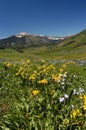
{"type": "Point", "coordinates": [44, 88]}
{"type": "Point", "coordinates": [47, 53]}
{"type": "Point", "coordinates": [36, 94]}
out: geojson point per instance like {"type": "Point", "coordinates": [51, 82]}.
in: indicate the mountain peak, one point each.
{"type": "Point", "coordinates": [22, 34]}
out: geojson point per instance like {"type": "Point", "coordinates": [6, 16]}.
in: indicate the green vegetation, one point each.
{"type": "Point", "coordinates": [47, 92]}
{"type": "Point", "coordinates": [38, 95]}
{"type": "Point", "coordinates": [51, 52]}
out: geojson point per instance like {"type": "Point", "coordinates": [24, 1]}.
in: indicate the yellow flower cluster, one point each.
{"type": "Point", "coordinates": [58, 77]}
{"type": "Point", "coordinates": [76, 113]}
{"type": "Point", "coordinates": [31, 72]}
{"type": "Point", "coordinates": [24, 69]}
{"type": "Point", "coordinates": [35, 92]}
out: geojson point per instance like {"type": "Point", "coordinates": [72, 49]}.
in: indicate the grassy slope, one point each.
{"type": "Point", "coordinates": [74, 47]}
{"type": "Point", "coordinates": [45, 53]}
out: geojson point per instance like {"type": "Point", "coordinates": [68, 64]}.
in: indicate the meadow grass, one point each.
{"type": "Point", "coordinates": [39, 95]}
{"type": "Point", "coordinates": [46, 53]}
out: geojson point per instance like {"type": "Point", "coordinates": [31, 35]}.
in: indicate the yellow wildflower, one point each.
{"type": "Point", "coordinates": [56, 78]}
{"type": "Point", "coordinates": [43, 81]}
{"type": "Point", "coordinates": [84, 99]}
{"type": "Point", "coordinates": [8, 64]}
{"type": "Point", "coordinates": [35, 92]}
{"type": "Point", "coordinates": [84, 106]}
{"type": "Point", "coordinates": [76, 113]}
{"type": "Point", "coordinates": [61, 70]}
{"type": "Point", "coordinates": [28, 61]}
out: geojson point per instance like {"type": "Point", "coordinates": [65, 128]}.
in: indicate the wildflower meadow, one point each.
{"type": "Point", "coordinates": [40, 95]}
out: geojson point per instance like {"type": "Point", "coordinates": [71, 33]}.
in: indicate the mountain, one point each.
{"type": "Point", "coordinates": [25, 40]}
{"type": "Point", "coordinates": [54, 48]}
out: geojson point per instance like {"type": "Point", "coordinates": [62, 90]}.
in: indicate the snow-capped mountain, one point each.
{"type": "Point", "coordinates": [27, 40]}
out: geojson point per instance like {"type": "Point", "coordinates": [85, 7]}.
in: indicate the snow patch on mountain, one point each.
{"type": "Point", "coordinates": [22, 34]}
{"type": "Point", "coordinates": [56, 38]}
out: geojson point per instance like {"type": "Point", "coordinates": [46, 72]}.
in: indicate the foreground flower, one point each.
{"type": "Point", "coordinates": [76, 113]}
{"type": "Point", "coordinates": [84, 101]}
{"type": "Point", "coordinates": [66, 96]}
{"type": "Point", "coordinates": [57, 78]}
{"type": "Point", "coordinates": [43, 81]}
{"type": "Point", "coordinates": [35, 92]}
{"type": "Point", "coordinates": [75, 92]}
{"type": "Point", "coordinates": [81, 90]}
{"type": "Point", "coordinates": [84, 106]}
{"type": "Point", "coordinates": [61, 99]}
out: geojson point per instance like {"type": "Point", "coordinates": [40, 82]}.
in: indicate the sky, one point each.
{"type": "Point", "coordinates": [42, 17]}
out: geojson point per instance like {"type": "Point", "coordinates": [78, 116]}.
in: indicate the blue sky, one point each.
{"type": "Point", "coordinates": [45, 17]}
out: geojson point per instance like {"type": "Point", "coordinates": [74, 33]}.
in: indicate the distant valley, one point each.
{"type": "Point", "coordinates": [47, 47]}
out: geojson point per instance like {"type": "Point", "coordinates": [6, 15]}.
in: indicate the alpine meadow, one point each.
{"type": "Point", "coordinates": [43, 82]}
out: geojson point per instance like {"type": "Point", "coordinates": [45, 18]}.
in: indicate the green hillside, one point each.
{"type": "Point", "coordinates": [76, 40]}
{"type": "Point", "coordinates": [74, 47]}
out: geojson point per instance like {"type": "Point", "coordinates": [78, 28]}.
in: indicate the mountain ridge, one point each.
{"type": "Point", "coordinates": [25, 38]}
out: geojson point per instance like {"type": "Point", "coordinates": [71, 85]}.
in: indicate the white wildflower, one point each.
{"type": "Point", "coordinates": [61, 99]}
{"type": "Point", "coordinates": [66, 96]}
